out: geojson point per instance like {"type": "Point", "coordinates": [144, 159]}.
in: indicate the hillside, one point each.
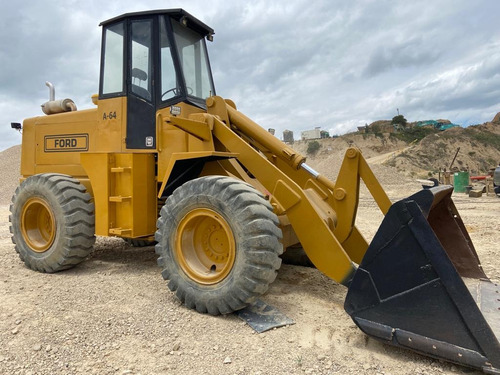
{"type": "Point", "coordinates": [406, 154]}
{"type": "Point", "coordinates": [479, 151]}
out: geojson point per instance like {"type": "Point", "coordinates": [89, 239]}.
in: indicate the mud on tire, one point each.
{"type": "Point", "coordinates": [52, 222]}
{"type": "Point", "coordinates": [218, 244]}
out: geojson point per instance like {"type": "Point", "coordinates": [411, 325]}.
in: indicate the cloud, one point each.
{"type": "Point", "coordinates": [411, 53]}
{"type": "Point", "coordinates": [293, 65]}
{"type": "Point", "coordinates": [461, 91]}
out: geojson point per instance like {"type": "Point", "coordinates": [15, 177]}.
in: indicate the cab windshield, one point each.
{"type": "Point", "coordinates": [193, 58]}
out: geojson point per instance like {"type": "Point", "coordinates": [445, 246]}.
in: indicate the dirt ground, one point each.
{"type": "Point", "coordinates": [114, 314]}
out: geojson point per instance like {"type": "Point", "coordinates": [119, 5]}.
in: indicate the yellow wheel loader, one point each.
{"type": "Point", "coordinates": [162, 159]}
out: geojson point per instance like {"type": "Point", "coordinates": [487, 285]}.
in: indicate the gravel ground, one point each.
{"type": "Point", "coordinates": [113, 314]}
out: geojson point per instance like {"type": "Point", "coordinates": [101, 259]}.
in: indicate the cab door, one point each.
{"type": "Point", "coordinates": [141, 101]}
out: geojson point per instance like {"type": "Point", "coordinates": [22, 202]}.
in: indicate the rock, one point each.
{"type": "Point", "coordinates": [227, 360]}
{"type": "Point", "coordinates": [476, 193]}
{"type": "Point", "coordinates": [19, 321]}
{"type": "Point", "coordinates": [176, 346]}
{"type": "Point", "coordinates": [15, 331]}
{"type": "Point", "coordinates": [37, 347]}
{"type": "Point", "coordinates": [127, 372]}
{"type": "Point", "coordinates": [321, 357]}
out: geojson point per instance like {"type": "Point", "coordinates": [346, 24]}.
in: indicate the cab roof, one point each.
{"type": "Point", "coordinates": [177, 14]}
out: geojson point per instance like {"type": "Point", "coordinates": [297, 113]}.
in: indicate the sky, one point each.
{"type": "Point", "coordinates": [294, 64]}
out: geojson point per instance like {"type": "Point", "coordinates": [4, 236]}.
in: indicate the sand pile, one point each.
{"type": "Point", "coordinates": [10, 162]}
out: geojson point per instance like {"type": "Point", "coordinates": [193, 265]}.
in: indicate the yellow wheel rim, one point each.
{"type": "Point", "coordinates": [38, 225]}
{"type": "Point", "coordinates": [205, 246]}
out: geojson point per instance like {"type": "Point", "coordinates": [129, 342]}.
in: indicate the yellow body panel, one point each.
{"type": "Point", "coordinates": [111, 125]}
{"type": "Point", "coordinates": [124, 190]}
{"type": "Point", "coordinates": [172, 140]}
{"type": "Point", "coordinates": [61, 138]}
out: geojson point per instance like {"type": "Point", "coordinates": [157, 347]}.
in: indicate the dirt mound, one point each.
{"type": "Point", "coordinates": [370, 144]}
{"type": "Point", "coordinates": [10, 165]}
{"type": "Point", "coordinates": [381, 126]}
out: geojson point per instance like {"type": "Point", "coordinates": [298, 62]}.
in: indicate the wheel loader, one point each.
{"type": "Point", "coordinates": [161, 159]}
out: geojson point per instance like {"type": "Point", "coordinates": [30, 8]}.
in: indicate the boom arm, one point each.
{"type": "Point", "coordinates": [321, 213]}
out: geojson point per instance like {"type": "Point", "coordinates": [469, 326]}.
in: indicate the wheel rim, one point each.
{"type": "Point", "coordinates": [205, 246]}
{"type": "Point", "coordinates": [38, 225]}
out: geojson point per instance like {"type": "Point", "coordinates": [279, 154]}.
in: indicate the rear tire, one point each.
{"type": "Point", "coordinates": [218, 244]}
{"type": "Point", "coordinates": [52, 222]}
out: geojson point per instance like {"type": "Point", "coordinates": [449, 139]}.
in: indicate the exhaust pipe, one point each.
{"type": "Point", "coordinates": [52, 91]}
{"type": "Point", "coordinates": [57, 106]}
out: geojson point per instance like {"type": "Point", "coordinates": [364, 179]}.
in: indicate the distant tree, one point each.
{"type": "Point", "coordinates": [399, 120]}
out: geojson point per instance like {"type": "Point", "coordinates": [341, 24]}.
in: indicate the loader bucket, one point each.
{"type": "Point", "coordinates": [420, 285]}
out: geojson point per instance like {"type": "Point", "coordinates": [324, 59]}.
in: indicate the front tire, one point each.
{"type": "Point", "coordinates": [218, 244]}
{"type": "Point", "coordinates": [52, 222]}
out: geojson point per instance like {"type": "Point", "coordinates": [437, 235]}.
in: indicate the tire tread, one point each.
{"type": "Point", "coordinates": [76, 211]}
{"type": "Point", "coordinates": [255, 228]}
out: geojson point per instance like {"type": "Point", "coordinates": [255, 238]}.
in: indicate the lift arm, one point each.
{"type": "Point", "coordinates": [321, 213]}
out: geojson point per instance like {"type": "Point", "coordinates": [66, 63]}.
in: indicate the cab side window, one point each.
{"type": "Point", "coordinates": [142, 60]}
{"type": "Point", "coordinates": [169, 86]}
{"type": "Point", "coordinates": [112, 77]}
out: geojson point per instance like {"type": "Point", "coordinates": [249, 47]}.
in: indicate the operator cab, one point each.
{"type": "Point", "coordinates": [156, 59]}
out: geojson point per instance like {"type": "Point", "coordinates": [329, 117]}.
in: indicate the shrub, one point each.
{"type": "Point", "coordinates": [417, 133]}
{"type": "Point", "coordinates": [399, 120]}
{"type": "Point", "coordinates": [313, 147]}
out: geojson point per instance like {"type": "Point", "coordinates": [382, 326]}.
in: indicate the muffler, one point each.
{"type": "Point", "coordinates": [57, 106]}
{"type": "Point", "coordinates": [420, 285]}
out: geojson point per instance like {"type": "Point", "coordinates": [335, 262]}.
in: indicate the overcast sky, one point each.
{"type": "Point", "coordinates": [292, 64]}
